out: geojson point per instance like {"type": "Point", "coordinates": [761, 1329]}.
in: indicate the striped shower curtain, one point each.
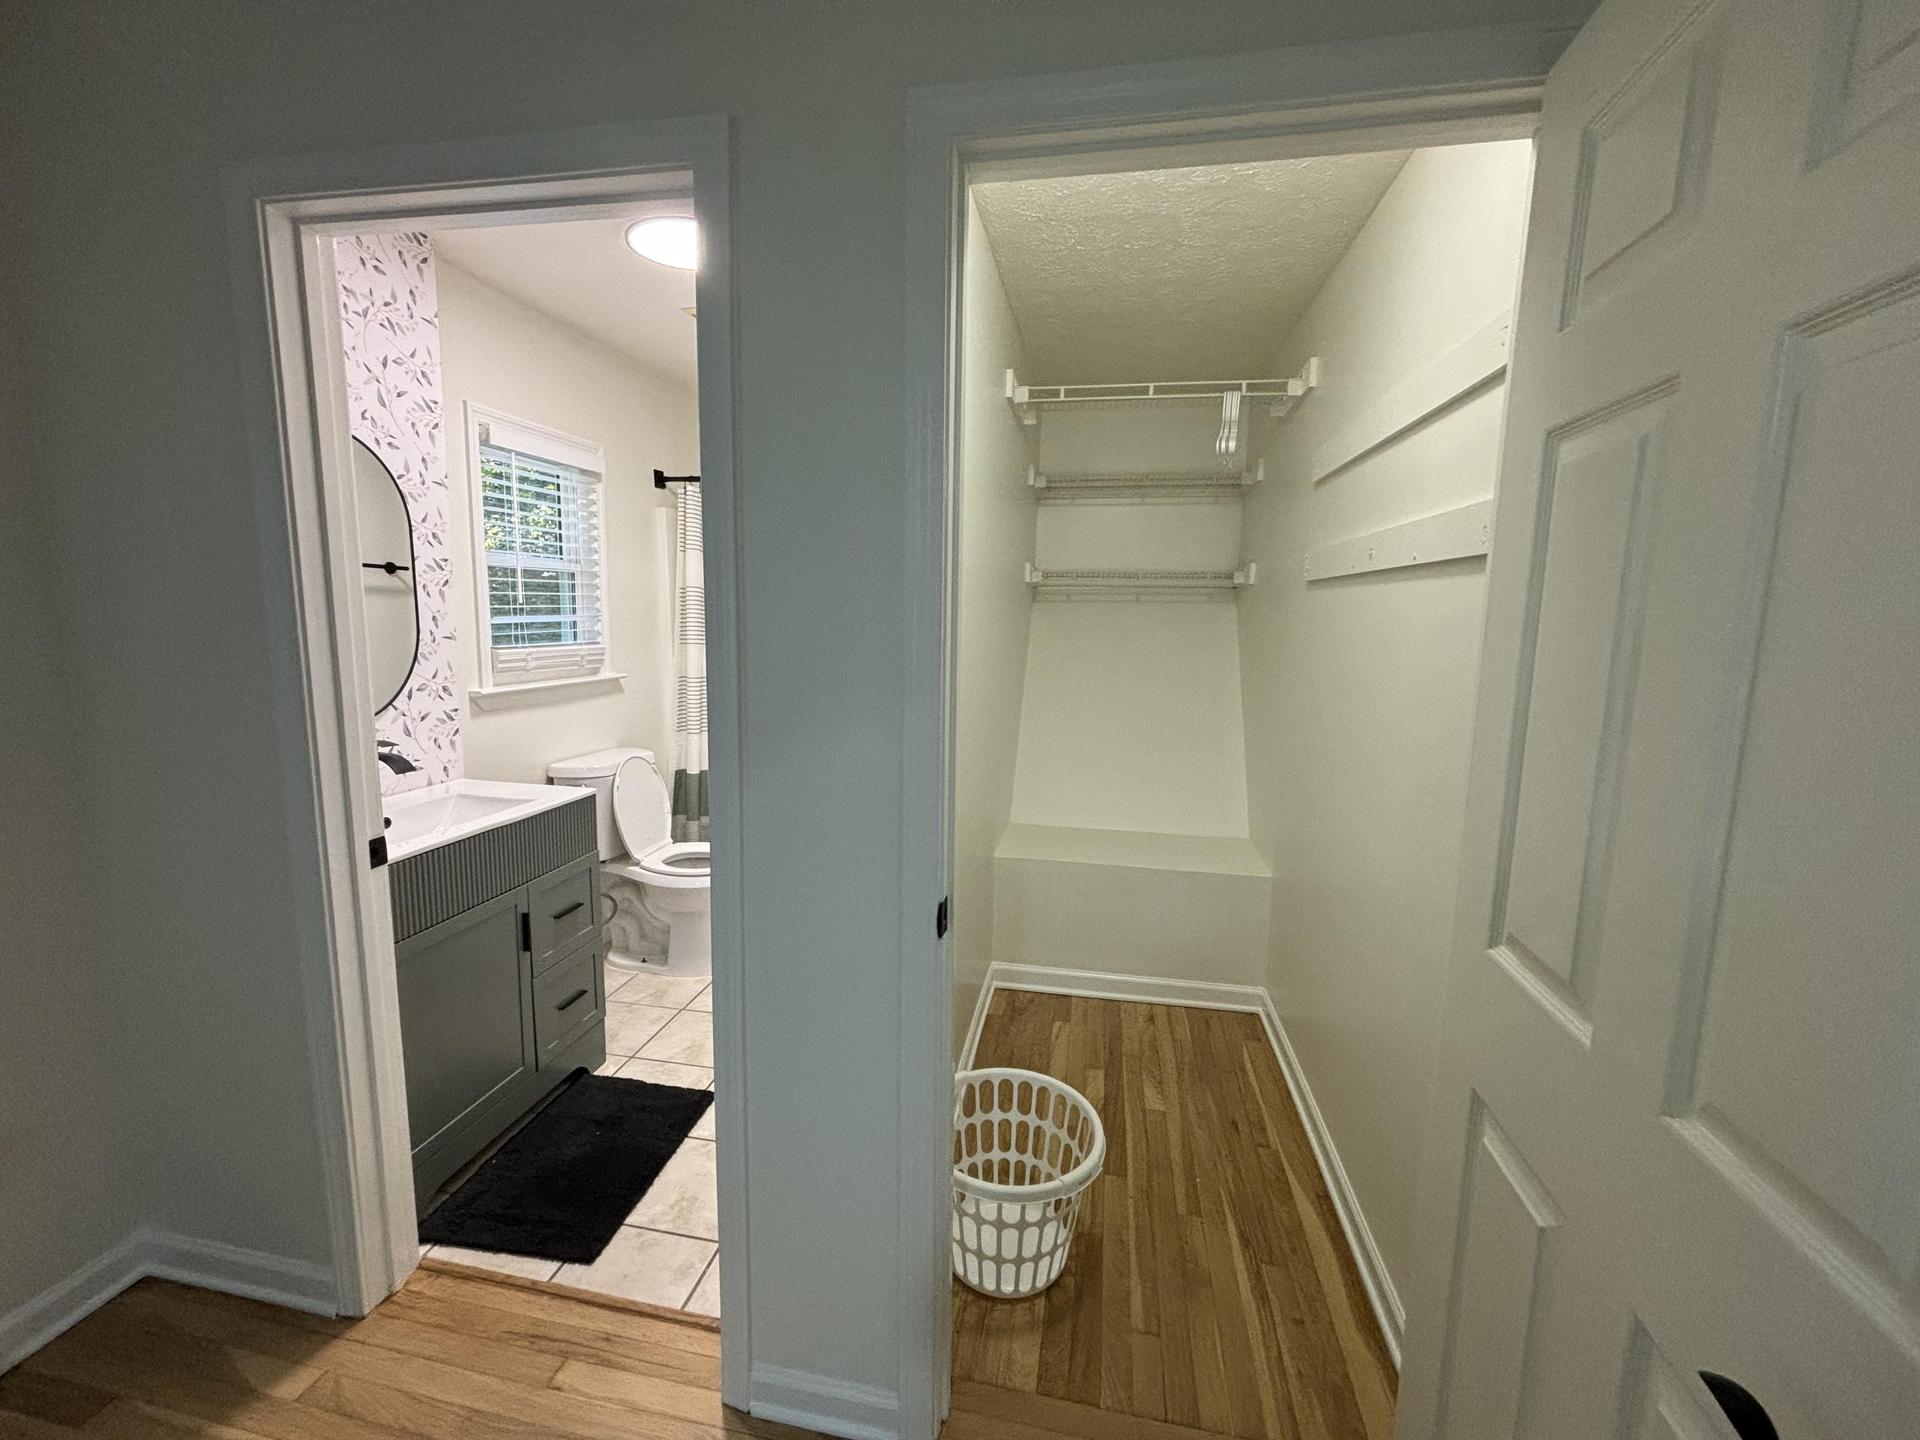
{"type": "Point", "coordinates": [690, 674]}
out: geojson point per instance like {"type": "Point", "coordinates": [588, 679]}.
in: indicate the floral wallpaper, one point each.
{"type": "Point", "coordinates": [390, 329]}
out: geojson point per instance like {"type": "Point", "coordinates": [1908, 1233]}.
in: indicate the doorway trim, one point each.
{"type": "Point", "coordinates": [279, 215]}
{"type": "Point", "coordinates": [1399, 92]}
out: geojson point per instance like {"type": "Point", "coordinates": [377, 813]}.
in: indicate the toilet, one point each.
{"type": "Point", "coordinates": [657, 885]}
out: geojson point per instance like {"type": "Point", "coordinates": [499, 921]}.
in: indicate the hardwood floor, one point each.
{"type": "Point", "coordinates": [458, 1354]}
{"type": "Point", "coordinates": [1210, 1290]}
{"type": "Point", "coordinates": [453, 1356]}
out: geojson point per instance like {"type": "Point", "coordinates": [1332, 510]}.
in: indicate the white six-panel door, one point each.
{"type": "Point", "coordinates": [1676, 1125]}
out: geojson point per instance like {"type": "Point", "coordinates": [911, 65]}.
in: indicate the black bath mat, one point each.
{"type": "Point", "coordinates": [559, 1189]}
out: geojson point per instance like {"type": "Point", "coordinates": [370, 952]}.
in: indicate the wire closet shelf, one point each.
{"type": "Point", "coordinates": [1085, 584]}
{"type": "Point", "coordinates": [1050, 487]}
{"type": "Point", "coordinates": [1276, 393]}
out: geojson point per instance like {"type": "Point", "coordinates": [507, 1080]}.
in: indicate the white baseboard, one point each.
{"type": "Point", "coordinates": [819, 1402]}
{"type": "Point", "coordinates": [297, 1284]}
{"type": "Point", "coordinates": [982, 1003]}
{"type": "Point", "coordinates": [1254, 999]}
{"type": "Point", "coordinates": [1104, 985]}
{"type": "Point", "coordinates": [67, 1302]}
{"type": "Point", "coordinates": [1385, 1299]}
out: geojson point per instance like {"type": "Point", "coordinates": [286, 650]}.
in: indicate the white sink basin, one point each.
{"type": "Point", "coordinates": [440, 814]}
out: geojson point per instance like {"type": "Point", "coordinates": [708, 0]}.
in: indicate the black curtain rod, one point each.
{"type": "Point", "coordinates": [661, 479]}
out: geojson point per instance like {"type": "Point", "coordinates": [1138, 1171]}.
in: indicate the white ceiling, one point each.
{"type": "Point", "coordinates": [581, 273]}
{"type": "Point", "coordinates": [1191, 274]}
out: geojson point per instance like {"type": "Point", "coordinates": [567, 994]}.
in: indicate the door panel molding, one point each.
{"type": "Point", "coordinates": [1505, 1213]}
{"type": "Point", "coordinates": [1664, 111]}
{"type": "Point", "coordinates": [1785, 1111]}
{"type": "Point", "coordinates": [1546, 945]}
{"type": "Point", "coordinates": [1658, 1400]}
{"type": "Point", "coordinates": [1870, 67]}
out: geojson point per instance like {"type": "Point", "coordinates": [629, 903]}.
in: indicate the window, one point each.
{"type": "Point", "coordinates": [538, 536]}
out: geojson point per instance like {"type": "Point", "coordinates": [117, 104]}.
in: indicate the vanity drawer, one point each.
{"type": "Point", "coordinates": [562, 911]}
{"type": "Point", "coordinates": [566, 1000]}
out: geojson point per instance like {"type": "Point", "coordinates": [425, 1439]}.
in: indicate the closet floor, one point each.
{"type": "Point", "coordinates": [1210, 1287]}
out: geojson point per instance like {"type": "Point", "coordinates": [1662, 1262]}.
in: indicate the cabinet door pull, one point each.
{"type": "Point", "coordinates": [572, 1000]}
{"type": "Point", "coordinates": [562, 914]}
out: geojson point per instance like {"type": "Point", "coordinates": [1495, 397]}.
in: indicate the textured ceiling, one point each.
{"type": "Point", "coordinates": [581, 273]}
{"type": "Point", "coordinates": [1193, 274]}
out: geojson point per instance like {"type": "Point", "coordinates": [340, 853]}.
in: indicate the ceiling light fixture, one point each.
{"type": "Point", "coordinates": [667, 240]}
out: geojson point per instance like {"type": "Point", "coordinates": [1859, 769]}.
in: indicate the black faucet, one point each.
{"type": "Point", "coordinates": [393, 759]}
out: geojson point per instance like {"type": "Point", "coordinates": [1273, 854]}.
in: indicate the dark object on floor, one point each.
{"type": "Point", "coordinates": [559, 1189]}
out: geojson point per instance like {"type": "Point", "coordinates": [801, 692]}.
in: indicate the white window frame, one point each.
{"type": "Point", "coordinates": [562, 448]}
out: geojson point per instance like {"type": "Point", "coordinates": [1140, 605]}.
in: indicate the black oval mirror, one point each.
{"type": "Point", "coordinates": [390, 599]}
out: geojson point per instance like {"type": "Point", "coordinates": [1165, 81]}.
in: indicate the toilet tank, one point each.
{"type": "Point", "coordinates": [596, 770]}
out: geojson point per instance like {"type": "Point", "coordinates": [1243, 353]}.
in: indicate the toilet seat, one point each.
{"type": "Point", "coordinates": [684, 861]}
{"type": "Point", "coordinates": [627, 868]}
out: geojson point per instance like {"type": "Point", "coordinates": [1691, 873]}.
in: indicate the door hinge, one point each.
{"type": "Point", "coordinates": [377, 851]}
{"type": "Point", "coordinates": [940, 918]}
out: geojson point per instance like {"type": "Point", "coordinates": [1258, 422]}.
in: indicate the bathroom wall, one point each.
{"type": "Point", "coordinates": [69, 1170]}
{"type": "Point", "coordinates": [390, 337]}
{"type": "Point", "coordinates": [995, 540]}
{"type": "Point", "coordinates": [135, 111]}
{"type": "Point", "coordinates": [499, 352]}
{"type": "Point", "coordinates": [1359, 691]}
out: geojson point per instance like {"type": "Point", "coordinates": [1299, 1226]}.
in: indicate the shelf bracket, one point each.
{"type": "Point", "coordinates": [1018, 398]}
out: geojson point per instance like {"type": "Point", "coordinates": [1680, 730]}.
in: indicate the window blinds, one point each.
{"type": "Point", "coordinates": [540, 527]}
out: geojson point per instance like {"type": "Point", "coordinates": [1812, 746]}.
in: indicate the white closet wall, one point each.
{"type": "Point", "coordinates": [1132, 714]}
{"type": "Point", "coordinates": [1132, 720]}
{"type": "Point", "coordinates": [1257, 785]}
{"type": "Point", "coordinates": [996, 536]}
{"type": "Point", "coordinates": [1359, 690]}
{"type": "Point", "coordinates": [1128, 847]}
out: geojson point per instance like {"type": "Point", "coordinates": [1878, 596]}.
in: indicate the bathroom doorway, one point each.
{"type": "Point", "coordinates": [506, 388]}
{"type": "Point", "coordinates": [529, 394]}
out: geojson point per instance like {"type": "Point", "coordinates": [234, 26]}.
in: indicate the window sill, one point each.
{"type": "Point", "coordinates": [536, 692]}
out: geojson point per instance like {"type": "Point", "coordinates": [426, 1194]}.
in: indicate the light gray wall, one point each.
{"type": "Point", "coordinates": [66, 1187]}
{"type": "Point", "coordinates": [1359, 691]}
{"type": "Point", "coordinates": [995, 541]}
{"type": "Point", "coordinates": [133, 110]}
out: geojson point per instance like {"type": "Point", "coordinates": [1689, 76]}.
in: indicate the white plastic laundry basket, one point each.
{"type": "Point", "coordinates": [1025, 1149]}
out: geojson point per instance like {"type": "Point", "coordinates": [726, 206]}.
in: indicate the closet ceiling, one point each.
{"type": "Point", "coordinates": [1191, 274]}
{"type": "Point", "coordinates": [581, 274]}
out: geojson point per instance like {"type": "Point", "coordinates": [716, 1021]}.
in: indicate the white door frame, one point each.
{"type": "Point", "coordinates": [1405, 91]}
{"type": "Point", "coordinates": [279, 214]}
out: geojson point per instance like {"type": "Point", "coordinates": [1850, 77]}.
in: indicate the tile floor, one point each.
{"type": "Point", "coordinates": [659, 1028]}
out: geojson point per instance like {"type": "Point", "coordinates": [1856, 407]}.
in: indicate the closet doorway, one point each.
{"type": "Point", "coordinates": [1226, 444]}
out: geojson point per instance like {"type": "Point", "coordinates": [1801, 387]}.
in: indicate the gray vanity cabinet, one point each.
{"type": "Point", "coordinates": [466, 1023]}
{"type": "Point", "coordinates": [501, 1001]}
